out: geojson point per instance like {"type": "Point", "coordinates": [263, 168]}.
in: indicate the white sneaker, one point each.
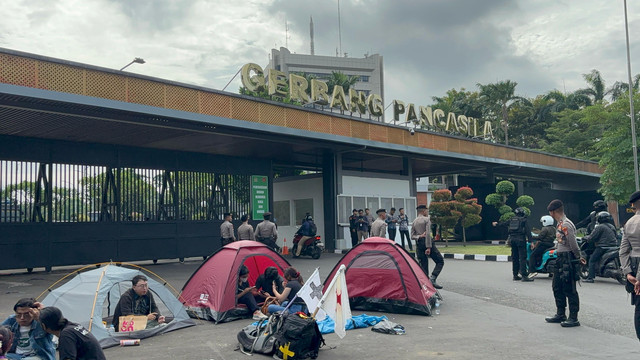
{"type": "Point", "coordinates": [532, 275]}
{"type": "Point", "coordinates": [259, 315]}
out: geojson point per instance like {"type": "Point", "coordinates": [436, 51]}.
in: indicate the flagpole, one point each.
{"type": "Point", "coordinates": [324, 296]}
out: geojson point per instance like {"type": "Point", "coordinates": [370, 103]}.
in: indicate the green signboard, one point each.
{"type": "Point", "coordinates": [259, 195]}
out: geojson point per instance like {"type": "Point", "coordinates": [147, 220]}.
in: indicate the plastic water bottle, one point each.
{"type": "Point", "coordinates": [111, 330]}
{"type": "Point", "coordinates": [437, 307]}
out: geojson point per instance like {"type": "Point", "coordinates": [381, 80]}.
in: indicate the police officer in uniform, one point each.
{"type": "Point", "coordinates": [266, 232]}
{"type": "Point", "coordinates": [630, 257]}
{"type": "Point", "coordinates": [245, 231]}
{"type": "Point", "coordinates": [518, 236]}
{"type": "Point", "coordinates": [226, 230]}
{"type": "Point", "coordinates": [590, 221]}
{"type": "Point", "coordinates": [566, 274]}
{"type": "Point", "coordinates": [353, 227]}
{"type": "Point", "coordinates": [420, 232]}
{"type": "Point", "coordinates": [379, 227]}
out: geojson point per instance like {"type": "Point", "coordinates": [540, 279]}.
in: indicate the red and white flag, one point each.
{"type": "Point", "coordinates": [336, 302]}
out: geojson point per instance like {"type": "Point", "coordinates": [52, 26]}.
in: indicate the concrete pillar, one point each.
{"type": "Point", "coordinates": [330, 199]}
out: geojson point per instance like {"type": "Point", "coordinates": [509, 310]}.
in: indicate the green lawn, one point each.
{"type": "Point", "coordinates": [474, 249]}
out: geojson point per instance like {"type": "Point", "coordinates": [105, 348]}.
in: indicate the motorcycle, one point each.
{"type": "Point", "coordinates": [313, 246]}
{"type": "Point", "coordinates": [608, 266]}
{"type": "Point", "coordinates": [548, 263]}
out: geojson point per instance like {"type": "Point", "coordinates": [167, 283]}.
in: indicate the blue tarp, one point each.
{"type": "Point", "coordinates": [327, 325]}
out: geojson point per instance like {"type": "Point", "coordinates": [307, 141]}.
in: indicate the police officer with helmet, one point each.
{"type": "Point", "coordinates": [630, 257]}
{"type": "Point", "coordinates": [519, 232]}
{"type": "Point", "coordinates": [590, 221]}
{"type": "Point", "coordinates": [602, 236]}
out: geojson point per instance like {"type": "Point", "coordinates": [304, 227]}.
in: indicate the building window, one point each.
{"type": "Point", "coordinates": [364, 78]}
{"type": "Point", "coordinates": [346, 203]}
{"type": "Point", "coordinates": [302, 207]}
{"type": "Point", "coordinates": [282, 213]}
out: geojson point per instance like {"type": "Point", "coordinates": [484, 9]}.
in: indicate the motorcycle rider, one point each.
{"type": "Point", "coordinates": [544, 242]}
{"type": "Point", "coordinates": [519, 232]}
{"type": "Point", "coordinates": [306, 230]}
{"type": "Point", "coordinates": [590, 221]}
{"type": "Point", "coordinates": [603, 236]}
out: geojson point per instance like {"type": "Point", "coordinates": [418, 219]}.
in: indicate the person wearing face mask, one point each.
{"type": "Point", "coordinates": [246, 294]}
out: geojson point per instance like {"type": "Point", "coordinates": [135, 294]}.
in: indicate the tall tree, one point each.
{"type": "Point", "coordinates": [460, 102]}
{"type": "Point", "coordinates": [499, 97]}
{"type": "Point", "coordinates": [596, 85]}
{"type": "Point", "coordinates": [621, 89]}
{"type": "Point", "coordinates": [340, 79]}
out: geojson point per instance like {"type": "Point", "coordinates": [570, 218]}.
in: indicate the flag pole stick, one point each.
{"type": "Point", "coordinates": [324, 296]}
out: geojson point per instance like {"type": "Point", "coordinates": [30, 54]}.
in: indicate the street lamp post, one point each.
{"type": "Point", "coordinates": [136, 60]}
{"type": "Point", "coordinates": [631, 110]}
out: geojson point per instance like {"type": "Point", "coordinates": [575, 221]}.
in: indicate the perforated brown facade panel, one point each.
{"type": "Point", "coordinates": [146, 92]}
{"type": "Point", "coordinates": [360, 130]}
{"type": "Point", "coordinates": [57, 77]}
{"type": "Point", "coordinates": [297, 119]}
{"type": "Point", "coordinates": [18, 70]}
{"type": "Point", "coordinates": [319, 123]}
{"type": "Point", "coordinates": [272, 115]}
{"type": "Point", "coordinates": [106, 86]}
{"type": "Point", "coordinates": [242, 109]}
{"type": "Point", "coordinates": [181, 98]}
{"type": "Point", "coordinates": [379, 133]}
{"type": "Point", "coordinates": [215, 104]}
{"type": "Point", "coordinates": [340, 126]}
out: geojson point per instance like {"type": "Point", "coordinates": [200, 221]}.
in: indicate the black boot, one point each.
{"type": "Point", "coordinates": [559, 317]}
{"type": "Point", "coordinates": [435, 284]}
{"type": "Point", "coordinates": [527, 279]}
{"type": "Point", "coordinates": [516, 277]}
{"type": "Point", "coordinates": [571, 321]}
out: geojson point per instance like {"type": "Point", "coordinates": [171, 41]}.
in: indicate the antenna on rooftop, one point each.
{"type": "Point", "coordinates": [339, 29]}
{"type": "Point", "coordinates": [311, 34]}
{"type": "Point", "coordinates": [286, 34]}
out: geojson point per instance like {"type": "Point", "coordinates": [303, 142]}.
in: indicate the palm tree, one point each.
{"type": "Point", "coordinates": [620, 89]}
{"type": "Point", "coordinates": [338, 78]}
{"type": "Point", "coordinates": [596, 84]}
{"type": "Point", "coordinates": [500, 96]}
{"type": "Point", "coordinates": [574, 101]}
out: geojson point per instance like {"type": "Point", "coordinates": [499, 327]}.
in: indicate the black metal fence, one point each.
{"type": "Point", "coordinates": [52, 192]}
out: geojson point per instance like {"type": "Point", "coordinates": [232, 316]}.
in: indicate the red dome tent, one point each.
{"type": "Point", "coordinates": [382, 276]}
{"type": "Point", "coordinates": [210, 292]}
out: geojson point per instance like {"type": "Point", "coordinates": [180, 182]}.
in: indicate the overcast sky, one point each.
{"type": "Point", "coordinates": [429, 46]}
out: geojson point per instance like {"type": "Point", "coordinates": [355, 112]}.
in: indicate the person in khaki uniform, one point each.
{"type": "Point", "coordinates": [245, 231]}
{"type": "Point", "coordinates": [425, 248]}
{"type": "Point", "coordinates": [630, 257]}
{"type": "Point", "coordinates": [266, 232]}
{"type": "Point", "coordinates": [379, 227]}
{"type": "Point", "coordinates": [226, 230]}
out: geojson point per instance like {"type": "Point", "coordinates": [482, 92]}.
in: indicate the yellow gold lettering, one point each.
{"type": "Point", "coordinates": [488, 130]}
{"type": "Point", "coordinates": [411, 114]}
{"type": "Point", "coordinates": [426, 117]}
{"type": "Point", "coordinates": [255, 82]}
{"type": "Point", "coordinates": [319, 90]}
{"type": "Point", "coordinates": [358, 101]}
{"type": "Point", "coordinates": [438, 117]}
{"type": "Point", "coordinates": [452, 124]}
{"type": "Point", "coordinates": [398, 108]}
{"type": "Point", "coordinates": [463, 124]}
{"type": "Point", "coordinates": [376, 107]}
{"type": "Point", "coordinates": [277, 83]}
{"type": "Point", "coordinates": [298, 88]}
{"type": "Point", "coordinates": [338, 99]}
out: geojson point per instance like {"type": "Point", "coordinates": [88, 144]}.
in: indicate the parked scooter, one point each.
{"type": "Point", "coordinates": [608, 266]}
{"type": "Point", "coordinates": [313, 246]}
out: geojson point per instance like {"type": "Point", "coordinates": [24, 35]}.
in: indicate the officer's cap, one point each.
{"type": "Point", "coordinates": [634, 197]}
{"type": "Point", "coordinates": [555, 205]}
{"type": "Point", "coordinates": [381, 211]}
{"type": "Point", "coordinates": [227, 214]}
{"type": "Point", "coordinates": [421, 207]}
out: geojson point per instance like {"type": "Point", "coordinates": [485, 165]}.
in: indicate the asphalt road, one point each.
{"type": "Point", "coordinates": [484, 315]}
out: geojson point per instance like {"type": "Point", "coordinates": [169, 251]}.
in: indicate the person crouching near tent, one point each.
{"type": "Point", "coordinates": [6, 339]}
{"type": "Point", "coordinates": [31, 341]}
{"type": "Point", "coordinates": [138, 301]}
{"type": "Point", "coordinates": [265, 282]}
{"type": "Point", "coordinates": [247, 294]}
{"type": "Point", "coordinates": [293, 283]}
{"type": "Point", "coordinates": [75, 341]}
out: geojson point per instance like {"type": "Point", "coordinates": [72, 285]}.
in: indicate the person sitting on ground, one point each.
{"type": "Point", "coordinates": [138, 301]}
{"type": "Point", "coordinates": [544, 242]}
{"type": "Point", "coordinates": [294, 282]}
{"type": "Point", "coordinates": [75, 341]}
{"type": "Point", "coordinates": [30, 342]}
{"type": "Point", "coordinates": [246, 294]}
{"type": "Point", "coordinates": [265, 281]}
{"type": "Point", "coordinates": [603, 236]}
{"type": "Point", "coordinates": [6, 338]}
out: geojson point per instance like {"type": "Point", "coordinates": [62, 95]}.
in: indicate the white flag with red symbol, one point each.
{"type": "Point", "coordinates": [336, 302]}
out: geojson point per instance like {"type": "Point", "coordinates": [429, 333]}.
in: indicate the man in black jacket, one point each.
{"type": "Point", "coordinates": [138, 301]}
{"type": "Point", "coordinates": [603, 236]}
{"type": "Point", "coordinates": [519, 232]}
{"type": "Point", "coordinates": [590, 221]}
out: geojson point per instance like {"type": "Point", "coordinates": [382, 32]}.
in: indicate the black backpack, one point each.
{"type": "Point", "coordinates": [515, 225]}
{"type": "Point", "coordinates": [313, 228]}
{"type": "Point", "coordinates": [298, 338]}
{"type": "Point", "coordinates": [260, 338]}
